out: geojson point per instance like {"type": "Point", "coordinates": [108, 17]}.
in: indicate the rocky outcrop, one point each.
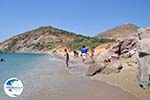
{"type": "Point", "coordinates": [125, 46]}
{"type": "Point", "coordinates": [112, 57]}
{"type": "Point", "coordinates": [144, 32]}
{"type": "Point", "coordinates": [144, 58]}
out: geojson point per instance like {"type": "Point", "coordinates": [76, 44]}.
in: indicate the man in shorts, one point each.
{"type": "Point", "coordinates": [84, 51]}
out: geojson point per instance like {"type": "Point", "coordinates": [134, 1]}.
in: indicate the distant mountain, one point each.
{"type": "Point", "coordinates": [120, 31]}
{"type": "Point", "coordinates": [48, 38]}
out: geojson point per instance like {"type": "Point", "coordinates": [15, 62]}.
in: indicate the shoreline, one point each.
{"type": "Point", "coordinates": [47, 78]}
{"type": "Point", "coordinates": [84, 66]}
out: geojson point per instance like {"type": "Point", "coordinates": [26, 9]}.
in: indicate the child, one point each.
{"type": "Point", "coordinates": [67, 57]}
{"type": "Point", "coordinates": [76, 54]}
{"type": "Point", "coordinates": [92, 55]}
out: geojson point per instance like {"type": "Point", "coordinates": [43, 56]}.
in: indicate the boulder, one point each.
{"type": "Point", "coordinates": [143, 74]}
{"type": "Point", "coordinates": [95, 68]}
{"type": "Point", "coordinates": [113, 67]}
{"type": "Point", "coordinates": [144, 33]}
{"type": "Point", "coordinates": [126, 45]}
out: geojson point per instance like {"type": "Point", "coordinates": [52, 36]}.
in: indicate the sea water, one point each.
{"type": "Point", "coordinates": [15, 65]}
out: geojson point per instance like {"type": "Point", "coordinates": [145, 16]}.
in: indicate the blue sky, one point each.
{"type": "Point", "coordinates": [87, 17]}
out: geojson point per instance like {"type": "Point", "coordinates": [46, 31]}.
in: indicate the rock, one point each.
{"type": "Point", "coordinates": [113, 67]}
{"type": "Point", "coordinates": [125, 45]}
{"type": "Point", "coordinates": [103, 55]}
{"type": "Point", "coordinates": [144, 32]}
{"type": "Point", "coordinates": [143, 74]}
{"type": "Point", "coordinates": [95, 68]}
{"type": "Point", "coordinates": [108, 71]}
{"type": "Point", "coordinates": [119, 67]}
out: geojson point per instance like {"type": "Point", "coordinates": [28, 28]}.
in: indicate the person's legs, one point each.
{"type": "Point", "coordinates": [92, 59]}
{"type": "Point", "coordinates": [83, 58]}
{"type": "Point", "coordinates": [67, 63]}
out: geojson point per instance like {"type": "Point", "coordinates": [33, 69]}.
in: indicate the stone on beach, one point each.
{"type": "Point", "coordinates": [113, 67]}
{"type": "Point", "coordinates": [95, 68]}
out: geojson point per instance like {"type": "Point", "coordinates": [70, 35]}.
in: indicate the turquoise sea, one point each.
{"type": "Point", "coordinates": [16, 65]}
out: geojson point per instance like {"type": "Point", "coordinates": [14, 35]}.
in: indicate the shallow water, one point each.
{"type": "Point", "coordinates": [46, 78]}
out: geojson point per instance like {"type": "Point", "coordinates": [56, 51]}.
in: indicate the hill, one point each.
{"type": "Point", "coordinates": [120, 31]}
{"type": "Point", "coordinates": [48, 38]}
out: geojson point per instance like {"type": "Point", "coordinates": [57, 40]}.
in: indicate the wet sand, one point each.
{"type": "Point", "coordinates": [51, 81]}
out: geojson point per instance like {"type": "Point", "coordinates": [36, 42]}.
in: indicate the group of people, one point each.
{"type": "Point", "coordinates": [84, 53]}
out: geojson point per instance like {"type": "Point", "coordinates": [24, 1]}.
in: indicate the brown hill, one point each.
{"type": "Point", "coordinates": [41, 39]}
{"type": "Point", "coordinates": [120, 31]}
{"type": "Point", "coordinates": [47, 38]}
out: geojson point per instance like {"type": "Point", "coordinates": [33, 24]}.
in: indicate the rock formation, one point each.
{"type": "Point", "coordinates": [144, 58]}
{"type": "Point", "coordinates": [124, 48]}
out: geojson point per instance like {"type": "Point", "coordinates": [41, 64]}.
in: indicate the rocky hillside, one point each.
{"type": "Point", "coordinates": [120, 31]}
{"type": "Point", "coordinates": [48, 38]}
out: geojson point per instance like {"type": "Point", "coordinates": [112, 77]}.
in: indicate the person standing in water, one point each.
{"type": "Point", "coordinates": [84, 51]}
{"type": "Point", "coordinates": [67, 58]}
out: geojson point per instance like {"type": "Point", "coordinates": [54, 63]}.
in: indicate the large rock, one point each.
{"type": "Point", "coordinates": [144, 63]}
{"type": "Point", "coordinates": [113, 67]}
{"type": "Point", "coordinates": [126, 45]}
{"type": "Point", "coordinates": [95, 68]}
{"type": "Point", "coordinates": [144, 32]}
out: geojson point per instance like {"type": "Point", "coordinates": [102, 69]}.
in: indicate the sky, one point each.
{"type": "Point", "coordinates": [86, 17]}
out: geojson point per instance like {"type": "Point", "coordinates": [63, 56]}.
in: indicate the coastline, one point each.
{"type": "Point", "coordinates": [77, 64]}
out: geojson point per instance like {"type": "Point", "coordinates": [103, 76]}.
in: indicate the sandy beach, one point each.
{"type": "Point", "coordinates": [127, 80]}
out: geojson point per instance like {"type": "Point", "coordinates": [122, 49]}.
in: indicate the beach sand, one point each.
{"type": "Point", "coordinates": [127, 80]}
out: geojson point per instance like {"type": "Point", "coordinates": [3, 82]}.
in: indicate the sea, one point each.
{"type": "Point", "coordinates": [16, 65]}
